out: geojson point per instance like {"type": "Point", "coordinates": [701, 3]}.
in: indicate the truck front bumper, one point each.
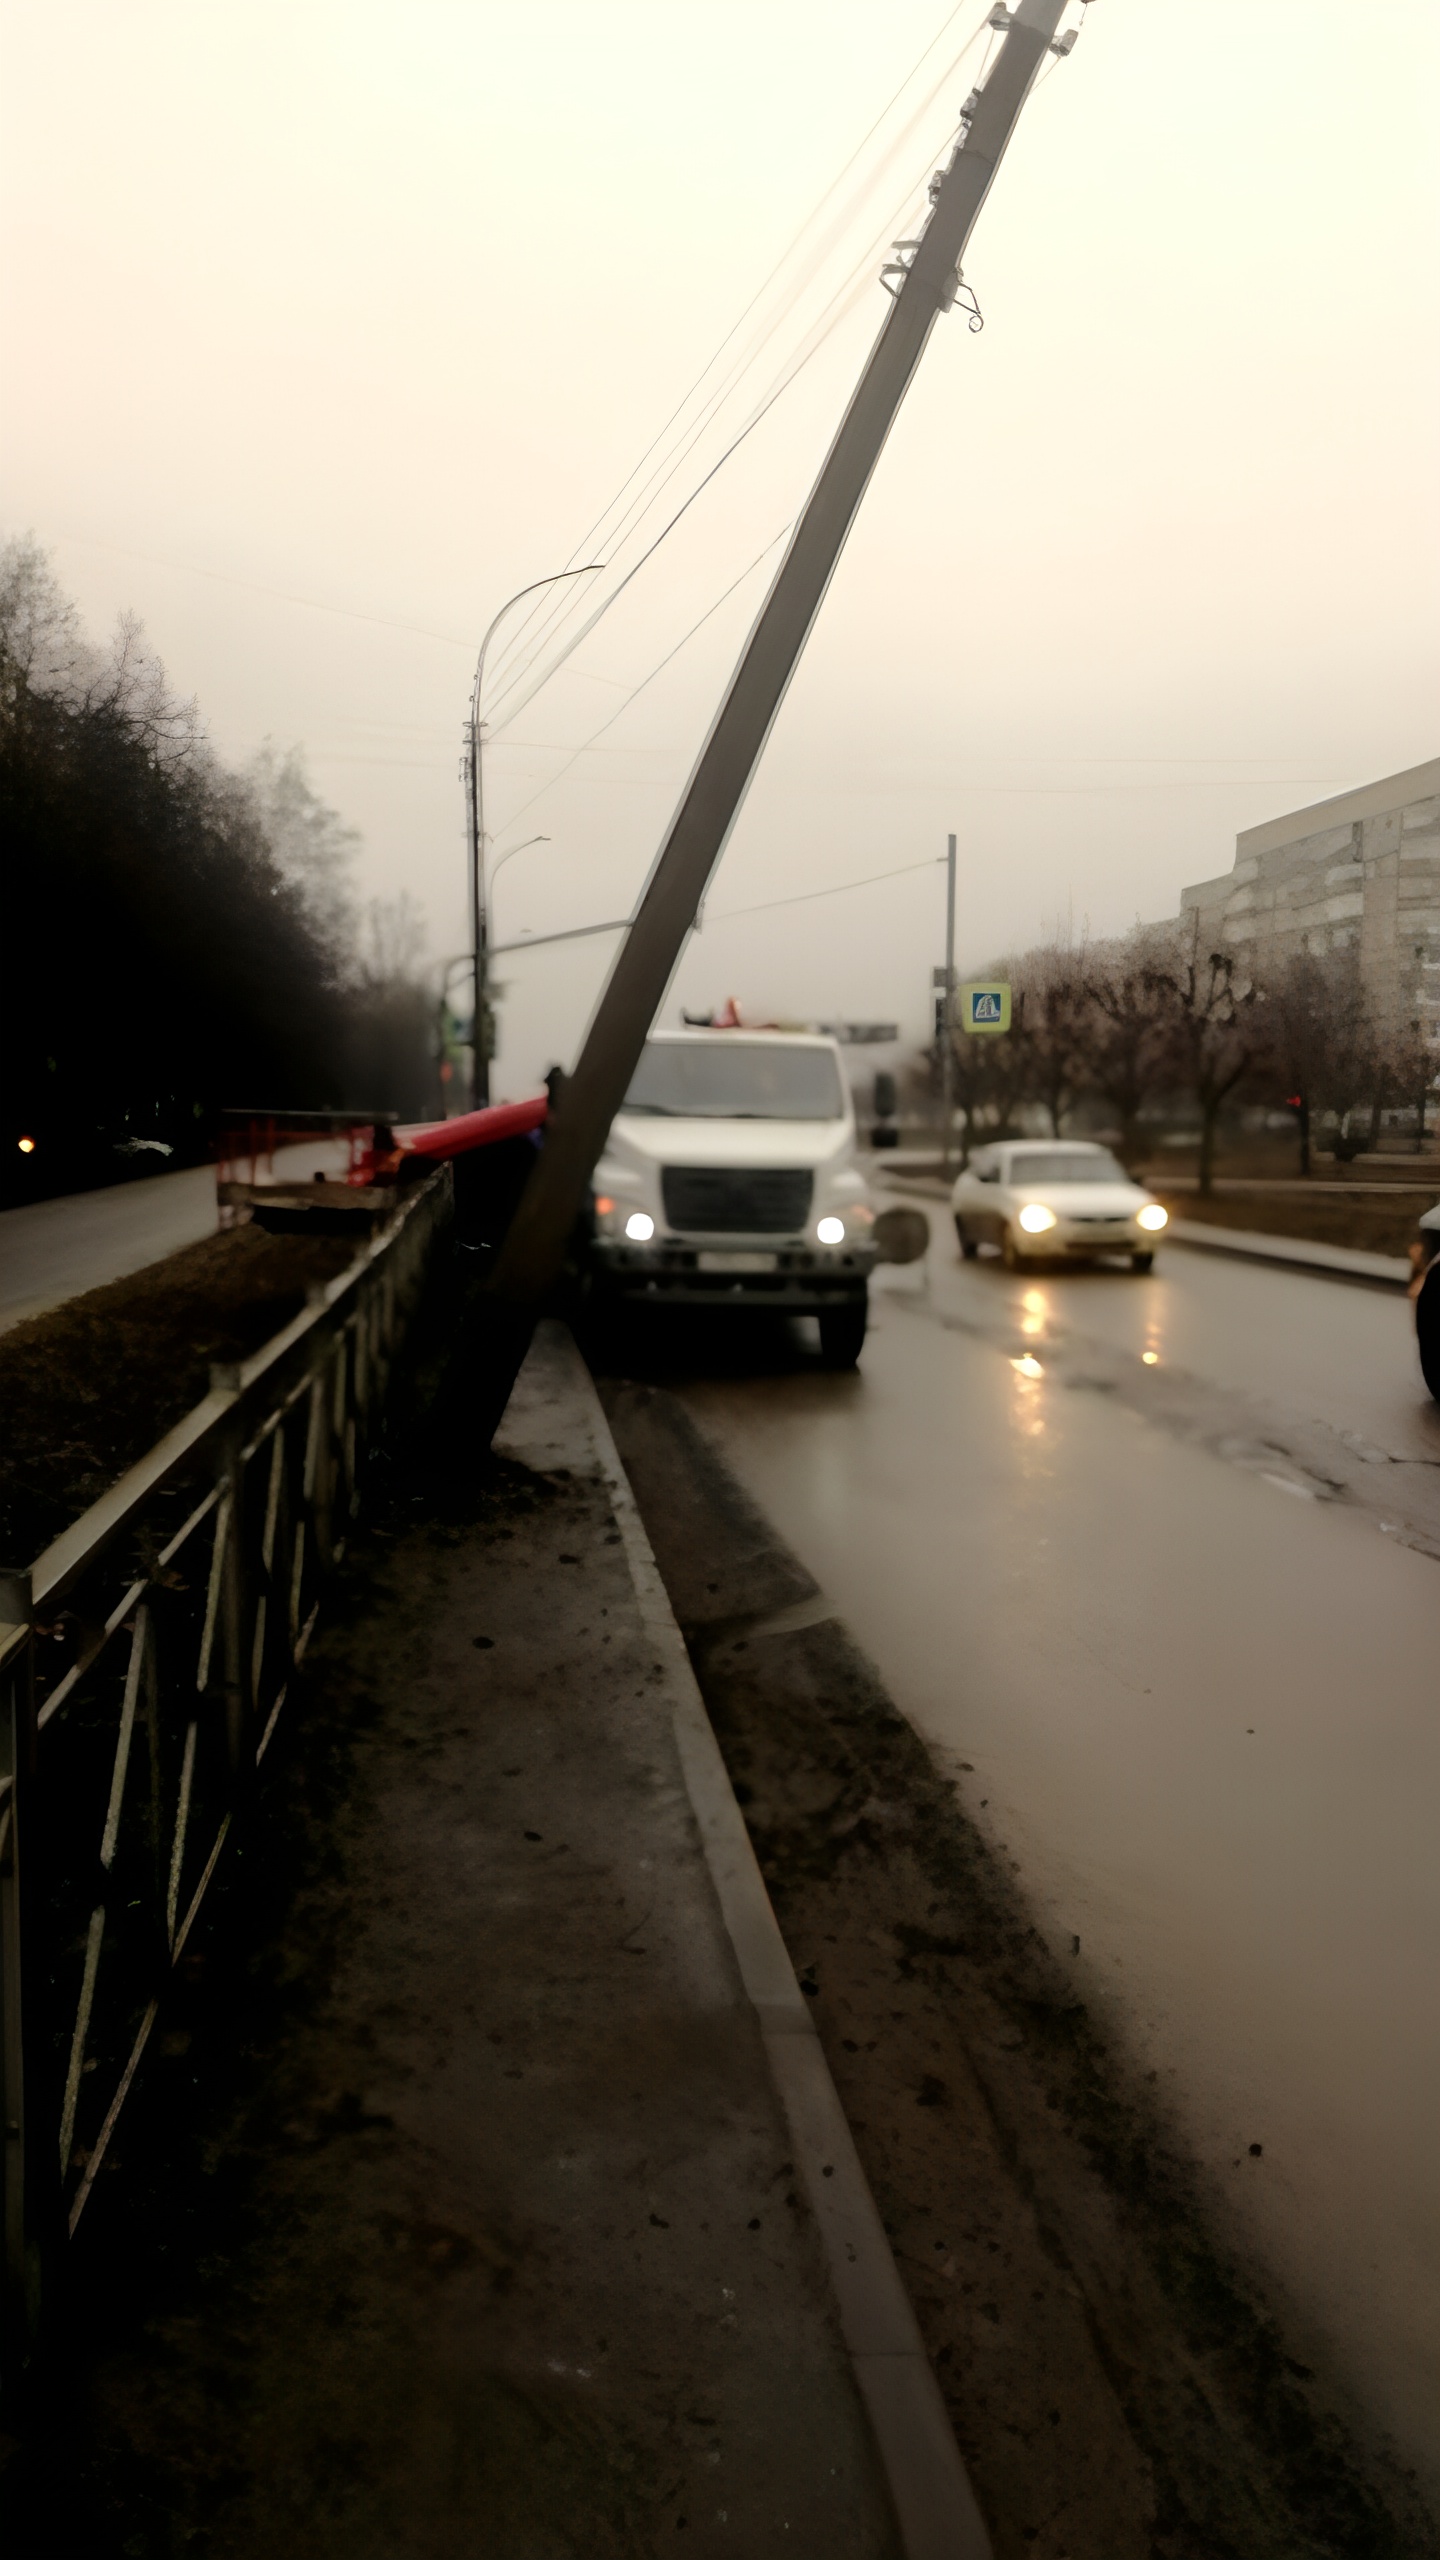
{"type": "Point", "coordinates": [793, 1279]}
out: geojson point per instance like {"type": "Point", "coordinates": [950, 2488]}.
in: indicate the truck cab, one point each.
{"type": "Point", "coordinates": [729, 1179]}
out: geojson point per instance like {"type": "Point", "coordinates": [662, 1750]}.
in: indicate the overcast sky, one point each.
{"type": "Point", "coordinates": [329, 324]}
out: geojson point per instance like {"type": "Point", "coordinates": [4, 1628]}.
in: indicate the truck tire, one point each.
{"type": "Point", "coordinates": [1427, 1328]}
{"type": "Point", "coordinates": [842, 1332]}
{"type": "Point", "coordinates": [967, 1243]}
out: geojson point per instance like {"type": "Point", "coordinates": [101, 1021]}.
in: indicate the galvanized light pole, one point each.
{"type": "Point", "coordinates": [475, 815]}
{"type": "Point", "coordinates": [947, 1053]}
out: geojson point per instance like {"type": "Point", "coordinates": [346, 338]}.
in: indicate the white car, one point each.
{"type": "Point", "coordinates": [1042, 1199]}
{"type": "Point", "coordinates": [729, 1179]}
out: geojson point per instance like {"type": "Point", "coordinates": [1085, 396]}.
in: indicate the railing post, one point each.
{"type": "Point", "coordinates": [236, 1585]}
{"type": "Point", "coordinates": [22, 2147]}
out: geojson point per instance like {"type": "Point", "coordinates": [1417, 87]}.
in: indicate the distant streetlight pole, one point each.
{"type": "Point", "coordinates": [947, 1053]}
{"type": "Point", "coordinates": [475, 799]}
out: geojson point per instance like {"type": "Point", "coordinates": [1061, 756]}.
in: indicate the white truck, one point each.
{"type": "Point", "coordinates": [729, 1179]}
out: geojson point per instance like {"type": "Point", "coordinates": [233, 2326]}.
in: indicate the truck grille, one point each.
{"type": "Point", "coordinates": [725, 1200]}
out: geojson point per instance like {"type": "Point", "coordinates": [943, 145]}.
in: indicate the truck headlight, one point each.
{"type": "Point", "coordinates": [1152, 1217]}
{"type": "Point", "coordinates": [831, 1231]}
{"type": "Point", "coordinates": [639, 1226]}
{"type": "Point", "coordinates": [1035, 1218]}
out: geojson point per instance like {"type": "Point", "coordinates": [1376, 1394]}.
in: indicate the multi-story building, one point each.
{"type": "Point", "coordinates": [1358, 873]}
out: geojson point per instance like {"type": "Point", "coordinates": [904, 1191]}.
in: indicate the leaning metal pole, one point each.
{"type": "Point", "coordinates": [534, 1249]}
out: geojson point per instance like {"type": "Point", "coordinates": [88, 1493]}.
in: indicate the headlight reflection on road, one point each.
{"type": "Point", "coordinates": [1027, 1366]}
{"type": "Point", "coordinates": [1035, 1308]}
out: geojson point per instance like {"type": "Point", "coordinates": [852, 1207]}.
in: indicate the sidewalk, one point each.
{"type": "Point", "coordinates": [550, 2239]}
{"type": "Point", "coordinates": [1300, 1253]}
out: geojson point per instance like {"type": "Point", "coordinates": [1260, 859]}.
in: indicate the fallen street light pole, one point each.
{"type": "Point", "coordinates": [926, 282]}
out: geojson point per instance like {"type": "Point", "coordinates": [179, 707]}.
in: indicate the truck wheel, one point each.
{"type": "Point", "coordinates": [1427, 1328]}
{"type": "Point", "coordinates": [842, 1331]}
{"type": "Point", "coordinates": [967, 1243]}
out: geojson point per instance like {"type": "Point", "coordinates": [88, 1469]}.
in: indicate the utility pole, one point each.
{"type": "Point", "coordinates": [947, 1053]}
{"type": "Point", "coordinates": [927, 280]}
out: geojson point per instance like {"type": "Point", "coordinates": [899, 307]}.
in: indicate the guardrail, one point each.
{"type": "Point", "coordinates": [144, 1662]}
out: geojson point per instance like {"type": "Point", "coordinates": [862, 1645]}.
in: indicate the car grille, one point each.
{"type": "Point", "coordinates": [725, 1200]}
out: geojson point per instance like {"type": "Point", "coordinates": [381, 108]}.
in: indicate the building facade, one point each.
{"type": "Point", "coordinates": [1359, 873]}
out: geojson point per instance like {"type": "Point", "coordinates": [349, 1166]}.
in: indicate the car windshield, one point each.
{"type": "Point", "coordinates": [1067, 1164]}
{"type": "Point", "coordinates": [735, 1080]}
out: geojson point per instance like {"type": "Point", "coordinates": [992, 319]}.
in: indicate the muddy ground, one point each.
{"type": "Point", "coordinates": [1118, 2387]}
{"type": "Point", "coordinates": [88, 1387]}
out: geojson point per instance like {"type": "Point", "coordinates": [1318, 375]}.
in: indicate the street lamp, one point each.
{"type": "Point", "coordinates": [505, 857]}
{"type": "Point", "coordinates": [474, 751]}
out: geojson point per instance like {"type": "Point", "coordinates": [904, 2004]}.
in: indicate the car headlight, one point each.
{"type": "Point", "coordinates": [831, 1231]}
{"type": "Point", "coordinates": [639, 1226]}
{"type": "Point", "coordinates": [1035, 1218]}
{"type": "Point", "coordinates": [1152, 1217]}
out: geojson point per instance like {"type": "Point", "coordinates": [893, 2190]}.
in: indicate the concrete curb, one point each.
{"type": "Point", "coordinates": [1296, 1253]}
{"type": "Point", "coordinates": [934, 2504]}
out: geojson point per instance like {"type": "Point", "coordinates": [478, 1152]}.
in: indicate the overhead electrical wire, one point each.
{"type": "Point", "coordinates": [560, 605]}
{"type": "Point", "coordinates": [522, 656]}
{"type": "Point", "coordinates": [597, 531]}
{"type": "Point", "coordinates": [574, 757]}
{"type": "Point", "coordinates": [802, 897]}
{"type": "Point", "coordinates": [523, 648]}
{"type": "Point", "coordinates": [846, 296]}
{"type": "Point", "coordinates": [620, 924]}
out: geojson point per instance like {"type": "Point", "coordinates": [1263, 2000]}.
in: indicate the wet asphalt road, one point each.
{"type": "Point", "coordinates": [1173, 1623]}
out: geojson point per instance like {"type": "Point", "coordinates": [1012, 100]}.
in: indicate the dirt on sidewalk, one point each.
{"type": "Point", "coordinates": [456, 2217]}
{"type": "Point", "coordinates": [88, 1387]}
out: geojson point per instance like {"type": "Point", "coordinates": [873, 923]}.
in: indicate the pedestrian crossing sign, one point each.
{"type": "Point", "coordinates": [985, 1006]}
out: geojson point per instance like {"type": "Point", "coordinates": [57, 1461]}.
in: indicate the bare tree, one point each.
{"type": "Point", "coordinates": [1316, 1036]}
{"type": "Point", "coordinates": [312, 846]}
{"type": "Point", "coordinates": [1410, 1069]}
{"type": "Point", "coordinates": [1217, 1032]}
{"type": "Point", "coordinates": [1133, 1003]}
{"type": "Point", "coordinates": [1051, 1020]}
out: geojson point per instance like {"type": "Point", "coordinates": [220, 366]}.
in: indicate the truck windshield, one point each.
{"type": "Point", "coordinates": [735, 1080]}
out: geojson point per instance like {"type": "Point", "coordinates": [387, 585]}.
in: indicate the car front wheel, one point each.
{"type": "Point", "coordinates": [842, 1332]}
{"type": "Point", "coordinates": [968, 1245]}
{"type": "Point", "coordinates": [1009, 1250]}
{"type": "Point", "coordinates": [1142, 1262]}
{"type": "Point", "coordinates": [1427, 1328]}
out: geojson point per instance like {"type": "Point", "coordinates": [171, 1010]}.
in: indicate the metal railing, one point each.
{"type": "Point", "coordinates": [144, 1663]}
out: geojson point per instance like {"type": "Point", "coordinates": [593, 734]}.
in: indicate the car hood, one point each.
{"type": "Point", "coordinates": [1083, 1199]}
{"type": "Point", "coordinates": [660, 1141]}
